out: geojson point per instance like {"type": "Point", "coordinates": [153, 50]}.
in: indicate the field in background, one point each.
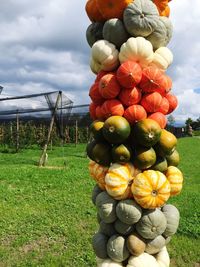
{"type": "Point", "coordinates": [47, 218]}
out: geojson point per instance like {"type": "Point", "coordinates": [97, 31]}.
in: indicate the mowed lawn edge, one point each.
{"type": "Point", "coordinates": [47, 217]}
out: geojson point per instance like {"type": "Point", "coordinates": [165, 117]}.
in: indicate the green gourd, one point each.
{"type": "Point", "coordinates": [152, 224]}
{"type": "Point", "coordinates": [144, 157]}
{"type": "Point", "coordinates": [99, 244]}
{"type": "Point", "coordinates": [94, 32]}
{"type": "Point", "coordinates": [155, 245]}
{"type": "Point", "coordinates": [96, 190]}
{"type": "Point", "coordinates": [160, 165]}
{"type": "Point", "coordinates": [172, 216]}
{"type": "Point", "coordinates": [107, 228]}
{"type": "Point", "coordinates": [106, 207]}
{"type": "Point", "coordinates": [141, 18]}
{"type": "Point", "coordinates": [123, 228]}
{"type": "Point", "coordinates": [115, 32]}
{"type": "Point", "coordinates": [116, 248]}
{"type": "Point", "coordinates": [128, 211]}
{"type": "Point", "coordinates": [173, 159]}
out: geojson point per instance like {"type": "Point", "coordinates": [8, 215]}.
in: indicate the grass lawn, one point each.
{"type": "Point", "coordinates": [47, 218]}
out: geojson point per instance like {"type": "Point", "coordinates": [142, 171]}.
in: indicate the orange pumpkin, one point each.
{"type": "Point", "coordinates": [130, 97]}
{"type": "Point", "coordinates": [154, 80]}
{"type": "Point", "coordinates": [112, 8]}
{"type": "Point", "coordinates": [118, 179]}
{"type": "Point", "coordinates": [129, 74]}
{"type": "Point", "coordinates": [95, 95]}
{"type": "Point", "coordinates": [173, 102]}
{"type": "Point", "coordinates": [151, 102]}
{"type": "Point", "coordinates": [151, 189]}
{"type": "Point", "coordinates": [99, 113]}
{"type": "Point", "coordinates": [159, 118]}
{"type": "Point", "coordinates": [112, 107]}
{"type": "Point", "coordinates": [93, 11]}
{"type": "Point", "coordinates": [175, 178]}
{"type": "Point", "coordinates": [98, 173]}
{"type": "Point", "coordinates": [164, 107]}
{"type": "Point", "coordinates": [163, 8]}
{"type": "Point", "coordinates": [100, 75]}
{"type": "Point", "coordinates": [165, 12]}
{"type": "Point", "coordinates": [135, 113]}
{"type": "Point", "coordinates": [109, 87]}
{"type": "Point", "coordinates": [92, 110]}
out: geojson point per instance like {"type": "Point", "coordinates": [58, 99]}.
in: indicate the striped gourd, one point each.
{"type": "Point", "coordinates": [98, 173]}
{"type": "Point", "coordinates": [151, 189]}
{"type": "Point", "coordinates": [175, 178]}
{"type": "Point", "coordinates": [118, 179]}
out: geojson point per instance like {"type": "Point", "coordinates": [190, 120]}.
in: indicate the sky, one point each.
{"type": "Point", "coordinates": [43, 48]}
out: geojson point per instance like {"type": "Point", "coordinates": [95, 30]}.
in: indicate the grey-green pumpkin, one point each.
{"type": "Point", "coordinates": [128, 211]}
{"type": "Point", "coordinates": [141, 18]}
{"type": "Point", "coordinates": [96, 190]}
{"type": "Point", "coordinates": [152, 224]}
{"type": "Point", "coordinates": [115, 32]}
{"type": "Point", "coordinates": [172, 216]}
{"type": "Point", "coordinates": [117, 249]}
{"type": "Point", "coordinates": [106, 207]}
{"type": "Point", "coordinates": [155, 245]}
{"type": "Point", "coordinates": [99, 244]}
{"type": "Point", "coordinates": [107, 228]}
{"type": "Point", "coordinates": [94, 32]}
{"type": "Point", "coordinates": [123, 228]}
{"type": "Point", "coordinates": [162, 33]}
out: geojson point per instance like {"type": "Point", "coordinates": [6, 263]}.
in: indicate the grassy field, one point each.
{"type": "Point", "coordinates": [47, 218]}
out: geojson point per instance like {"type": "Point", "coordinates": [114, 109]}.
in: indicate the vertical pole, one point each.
{"type": "Point", "coordinates": [43, 157]}
{"type": "Point", "coordinates": [17, 132]}
{"type": "Point", "coordinates": [76, 133]}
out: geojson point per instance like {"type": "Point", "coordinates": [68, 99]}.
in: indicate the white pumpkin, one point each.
{"type": "Point", "coordinates": [107, 263]}
{"type": "Point", "coordinates": [163, 58]}
{"type": "Point", "coordinates": [145, 260]}
{"type": "Point", "coordinates": [137, 49]}
{"type": "Point", "coordinates": [104, 56]}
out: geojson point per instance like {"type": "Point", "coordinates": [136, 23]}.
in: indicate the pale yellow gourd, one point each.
{"type": "Point", "coordinates": [163, 58]}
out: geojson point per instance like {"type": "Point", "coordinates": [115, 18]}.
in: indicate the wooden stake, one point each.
{"type": "Point", "coordinates": [76, 133]}
{"type": "Point", "coordinates": [43, 157]}
{"type": "Point", "coordinates": [17, 132]}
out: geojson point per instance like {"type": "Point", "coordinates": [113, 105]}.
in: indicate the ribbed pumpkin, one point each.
{"type": "Point", "coordinates": [160, 118]}
{"type": "Point", "coordinates": [109, 87]}
{"type": "Point", "coordinates": [94, 32]}
{"type": "Point", "coordinates": [116, 248]}
{"type": "Point", "coordinates": [138, 50]}
{"type": "Point", "coordinates": [164, 107]}
{"type": "Point", "coordinates": [151, 189]}
{"type": "Point", "coordinates": [93, 11]}
{"type": "Point", "coordinates": [154, 80]}
{"type": "Point", "coordinates": [173, 102]}
{"type": "Point", "coordinates": [112, 107]}
{"type": "Point", "coordinates": [101, 74]}
{"type": "Point", "coordinates": [112, 8]}
{"type": "Point", "coordinates": [163, 58]}
{"type": "Point", "coordinates": [151, 102]}
{"type": "Point", "coordinates": [95, 95]}
{"type": "Point", "coordinates": [99, 113]}
{"type": "Point", "coordinates": [92, 110]}
{"type": "Point", "coordinates": [135, 113]}
{"type": "Point", "coordinates": [98, 173]}
{"type": "Point", "coordinates": [172, 216]}
{"type": "Point", "coordinates": [129, 74]}
{"type": "Point", "coordinates": [175, 178]}
{"type": "Point", "coordinates": [130, 97]}
{"type": "Point", "coordinates": [118, 177]}
{"type": "Point", "coordinates": [104, 56]}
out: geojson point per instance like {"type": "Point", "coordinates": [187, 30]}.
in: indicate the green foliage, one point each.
{"type": "Point", "coordinates": [47, 217]}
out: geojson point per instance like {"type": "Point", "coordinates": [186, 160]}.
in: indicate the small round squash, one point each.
{"type": "Point", "coordinates": [94, 33]}
{"type": "Point", "coordinates": [172, 216]}
{"type": "Point", "coordinates": [155, 245]}
{"type": "Point", "coordinates": [101, 154]}
{"type": "Point", "coordinates": [173, 159]}
{"type": "Point", "coordinates": [130, 97]}
{"type": "Point", "coordinates": [151, 102]}
{"type": "Point", "coordinates": [160, 118]}
{"type": "Point", "coordinates": [135, 113]}
{"type": "Point", "coordinates": [121, 153]}
{"type": "Point", "coordinates": [123, 228]}
{"type": "Point", "coordinates": [116, 248]}
{"type": "Point", "coordinates": [152, 224]}
{"type": "Point", "coordinates": [107, 228]}
{"type": "Point", "coordinates": [128, 211]}
{"type": "Point", "coordinates": [163, 58]}
{"type": "Point", "coordinates": [98, 173]}
{"type": "Point", "coordinates": [167, 143]}
{"type": "Point", "coordinates": [175, 178]}
{"type": "Point", "coordinates": [109, 87]}
{"type": "Point", "coordinates": [144, 157]}
{"type": "Point", "coordinates": [160, 165]}
{"type": "Point", "coordinates": [106, 207]}
{"type": "Point", "coordinates": [112, 107]}
{"type": "Point", "coordinates": [99, 244]}
{"type": "Point", "coordinates": [136, 244]}
{"type": "Point", "coordinates": [96, 130]}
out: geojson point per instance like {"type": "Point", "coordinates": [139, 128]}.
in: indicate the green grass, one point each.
{"type": "Point", "coordinates": [47, 218]}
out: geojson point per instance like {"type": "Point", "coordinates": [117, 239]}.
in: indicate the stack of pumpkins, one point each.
{"type": "Point", "coordinates": [133, 158]}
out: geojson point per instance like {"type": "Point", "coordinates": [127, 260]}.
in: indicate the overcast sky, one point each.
{"type": "Point", "coordinates": [43, 48]}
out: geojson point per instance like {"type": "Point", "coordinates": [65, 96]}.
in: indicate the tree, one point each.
{"type": "Point", "coordinates": [171, 120]}
{"type": "Point", "coordinates": [188, 122]}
